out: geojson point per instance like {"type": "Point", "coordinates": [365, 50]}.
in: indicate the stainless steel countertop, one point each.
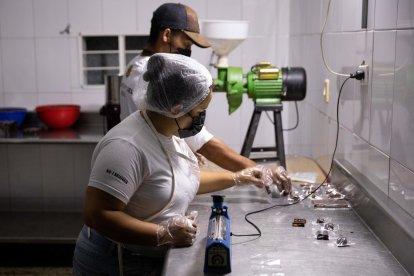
{"type": "Point", "coordinates": [69, 135]}
{"type": "Point", "coordinates": [283, 249]}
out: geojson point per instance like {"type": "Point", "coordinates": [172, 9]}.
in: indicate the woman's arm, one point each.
{"type": "Point", "coordinates": [105, 214]}
{"type": "Point", "coordinates": [225, 157]}
{"type": "Point", "coordinates": [216, 181]}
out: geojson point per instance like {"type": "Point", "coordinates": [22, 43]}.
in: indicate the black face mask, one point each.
{"type": "Point", "coordinates": [181, 51]}
{"type": "Point", "coordinates": [196, 126]}
{"type": "Point", "coordinates": [184, 52]}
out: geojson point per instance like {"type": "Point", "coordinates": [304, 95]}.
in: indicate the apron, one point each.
{"type": "Point", "coordinates": [185, 181]}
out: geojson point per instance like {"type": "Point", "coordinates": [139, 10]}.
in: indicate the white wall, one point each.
{"type": "Point", "coordinates": [377, 121]}
{"type": "Point", "coordinates": [38, 65]}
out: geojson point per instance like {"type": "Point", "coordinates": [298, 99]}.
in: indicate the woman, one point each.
{"type": "Point", "coordinates": [144, 176]}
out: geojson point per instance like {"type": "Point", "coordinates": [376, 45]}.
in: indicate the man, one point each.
{"type": "Point", "coordinates": [174, 29]}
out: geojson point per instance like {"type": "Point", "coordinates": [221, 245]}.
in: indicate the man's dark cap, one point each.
{"type": "Point", "coordinates": [177, 16]}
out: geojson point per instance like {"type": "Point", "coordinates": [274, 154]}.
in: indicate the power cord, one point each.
{"type": "Point", "coordinates": [356, 75]}
{"type": "Point", "coordinates": [297, 118]}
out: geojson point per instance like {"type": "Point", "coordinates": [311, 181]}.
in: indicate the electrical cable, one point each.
{"type": "Point", "coordinates": [259, 232]}
{"type": "Point", "coordinates": [297, 118]}
{"type": "Point", "coordinates": [321, 44]}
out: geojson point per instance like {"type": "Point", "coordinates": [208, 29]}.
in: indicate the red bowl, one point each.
{"type": "Point", "coordinates": [59, 115]}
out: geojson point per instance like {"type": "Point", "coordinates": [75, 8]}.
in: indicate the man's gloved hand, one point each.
{"type": "Point", "coordinates": [282, 180]}
{"type": "Point", "coordinates": [258, 175]}
{"type": "Point", "coordinates": [177, 231]}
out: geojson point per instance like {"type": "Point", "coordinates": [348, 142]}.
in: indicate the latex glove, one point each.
{"type": "Point", "coordinates": [258, 175]}
{"type": "Point", "coordinates": [193, 217]}
{"type": "Point", "coordinates": [177, 231]}
{"type": "Point", "coordinates": [282, 180]}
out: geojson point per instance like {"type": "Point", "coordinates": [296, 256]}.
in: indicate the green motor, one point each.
{"type": "Point", "coordinates": [265, 84]}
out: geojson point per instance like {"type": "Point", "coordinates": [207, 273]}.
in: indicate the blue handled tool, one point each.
{"type": "Point", "coordinates": [218, 256]}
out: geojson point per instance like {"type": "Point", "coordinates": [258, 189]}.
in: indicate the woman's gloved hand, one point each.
{"type": "Point", "coordinates": [177, 231]}
{"type": "Point", "coordinates": [282, 180]}
{"type": "Point", "coordinates": [258, 175]}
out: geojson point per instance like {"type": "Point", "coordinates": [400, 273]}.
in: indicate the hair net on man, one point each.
{"type": "Point", "coordinates": [176, 84]}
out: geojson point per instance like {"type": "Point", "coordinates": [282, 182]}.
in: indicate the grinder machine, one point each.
{"type": "Point", "coordinates": [265, 84]}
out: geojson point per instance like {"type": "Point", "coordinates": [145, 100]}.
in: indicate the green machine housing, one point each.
{"type": "Point", "coordinates": [265, 84]}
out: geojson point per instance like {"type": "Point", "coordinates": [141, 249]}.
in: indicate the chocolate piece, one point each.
{"type": "Point", "coordinates": [322, 235]}
{"type": "Point", "coordinates": [298, 222]}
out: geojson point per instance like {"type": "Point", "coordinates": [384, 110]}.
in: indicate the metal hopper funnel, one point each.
{"type": "Point", "coordinates": [224, 36]}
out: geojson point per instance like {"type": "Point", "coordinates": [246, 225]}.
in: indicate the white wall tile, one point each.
{"type": "Point", "coordinates": [371, 163]}
{"type": "Point", "coordinates": [17, 99]}
{"type": "Point", "coordinates": [258, 49]}
{"type": "Point", "coordinates": [18, 59]}
{"type": "Point", "coordinates": [119, 18]}
{"type": "Point", "coordinates": [402, 142]}
{"type": "Point", "coordinates": [218, 112]}
{"type": "Point", "coordinates": [334, 19]}
{"type": "Point", "coordinates": [282, 54]}
{"type": "Point", "coordinates": [344, 53]}
{"type": "Point", "coordinates": [385, 14]}
{"type": "Point", "coordinates": [90, 100]}
{"type": "Point", "coordinates": [217, 9]}
{"type": "Point", "coordinates": [382, 89]}
{"type": "Point", "coordinates": [261, 15]}
{"type": "Point", "coordinates": [85, 16]}
{"type": "Point", "coordinates": [282, 17]}
{"type": "Point", "coordinates": [25, 176]}
{"type": "Point", "coordinates": [371, 15]}
{"type": "Point", "coordinates": [402, 187]}
{"type": "Point", "coordinates": [16, 18]}
{"type": "Point", "coordinates": [362, 103]}
{"type": "Point", "coordinates": [50, 17]}
{"type": "Point", "coordinates": [405, 14]}
{"type": "Point", "coordinates": [52, 64]}
{"type": "Point", "coordinates": [74, 64]}
{"type": "Point", "coordinates": [306, 17]}
{"type": "Point", "coordinates": [351, 15]}
{"type": "Point", "coordinates": [54, 98]}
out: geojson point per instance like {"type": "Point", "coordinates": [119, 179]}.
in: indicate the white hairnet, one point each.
{"type": "Point", "coordinates": [176, 84]}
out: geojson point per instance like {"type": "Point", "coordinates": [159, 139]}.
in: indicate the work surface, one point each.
{"type": "Point", "coordinates": [283, 249]}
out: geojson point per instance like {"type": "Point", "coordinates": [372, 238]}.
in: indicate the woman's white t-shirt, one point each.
{"type": "Point", "coordinates": [133, 163]}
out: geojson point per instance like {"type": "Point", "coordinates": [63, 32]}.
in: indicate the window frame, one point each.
{"type": "Point", "coordinates": [122, 53]}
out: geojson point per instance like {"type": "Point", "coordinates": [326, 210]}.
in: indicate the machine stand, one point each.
{"type": "Point", "coordinates": [251, 133]}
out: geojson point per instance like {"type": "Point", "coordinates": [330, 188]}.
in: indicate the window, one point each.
{"type": "Point", "coordinates": [107, 55]}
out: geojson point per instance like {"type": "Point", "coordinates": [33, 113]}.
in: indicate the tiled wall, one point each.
{"type": "Point", "coordinates": [38, 65]}
{"type": "Point", "coordinates": [377, 121]}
